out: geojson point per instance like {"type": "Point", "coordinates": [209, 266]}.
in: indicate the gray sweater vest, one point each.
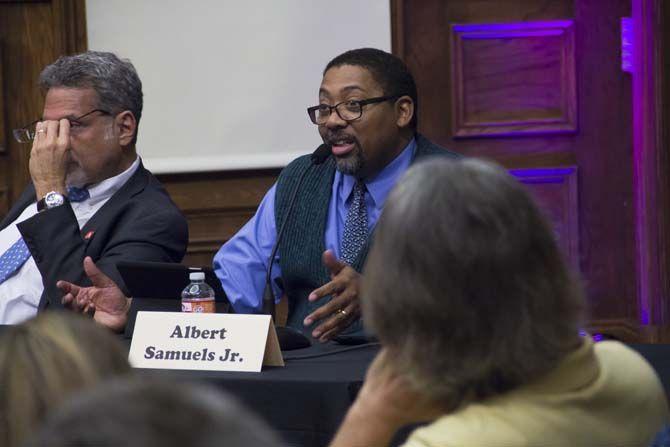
{"type": "Point", "coordinates": [303, 241]}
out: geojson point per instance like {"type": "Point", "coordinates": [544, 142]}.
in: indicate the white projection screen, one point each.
{"type": "Point", "coordinates": [226, 82]}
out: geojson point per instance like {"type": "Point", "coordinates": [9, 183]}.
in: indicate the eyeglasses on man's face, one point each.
{"type": "Point", "coordinates": [26, 134]}
{"type": "Point", "coordinates": [347, 110]}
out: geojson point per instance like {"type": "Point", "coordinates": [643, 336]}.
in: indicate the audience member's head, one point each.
{"type": "Point", "coordinates": [139, 413]}
{"type": "Point", "coordinates": [43, 361]}
{"type": "Point", "coordinates": [465, 284]}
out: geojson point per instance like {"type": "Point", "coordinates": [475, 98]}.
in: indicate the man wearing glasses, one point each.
{"type": "Point", "coordinates": [367, 114]}
{"type": "Point", "coordinates": [89, 195]}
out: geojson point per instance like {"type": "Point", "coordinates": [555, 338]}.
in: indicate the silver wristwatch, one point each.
{"type": "Point", "coordinates": [51, 200]}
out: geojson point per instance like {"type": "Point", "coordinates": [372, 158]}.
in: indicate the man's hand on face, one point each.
{"type": "Point", "coordinates": [344, 308]}
{"type": "Point", "coordinates": [49, 156]}
{"type": "Point", "coordinates": [103, 299]}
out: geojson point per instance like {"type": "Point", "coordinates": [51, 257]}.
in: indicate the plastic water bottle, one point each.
{"type": "Point", "coordinates": [197, 296]}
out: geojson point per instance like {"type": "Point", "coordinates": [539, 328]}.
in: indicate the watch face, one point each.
{"type": "Point", "coordinates": [53, 199]}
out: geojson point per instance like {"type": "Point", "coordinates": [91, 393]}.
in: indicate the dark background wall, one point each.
{"type": "Point", "coordinates": [535, 85]}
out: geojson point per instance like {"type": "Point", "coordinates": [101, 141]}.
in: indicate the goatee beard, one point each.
{"type": "Point", "coordinates": [350, 165]}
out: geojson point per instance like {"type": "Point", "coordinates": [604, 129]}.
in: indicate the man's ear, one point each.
{"type": "Point", "coordinates": [404, 111]}
{"type": "Point", "coordinates": [127, 126]}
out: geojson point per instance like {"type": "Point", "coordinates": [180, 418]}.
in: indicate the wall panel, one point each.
{"type": "Point", "coordinates": [216, 205]}
{"type": "Point", "coordinates": [513, 79]}
{"type": "Point", "coordinates": [555, 191]}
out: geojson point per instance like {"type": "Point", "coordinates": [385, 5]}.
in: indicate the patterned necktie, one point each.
{"type": "Point", "coordinates": [13, 259]}
{"type": "Point", "coordinates": [356, 226]}
{"type": "Point", "coordinates": [17, 255]}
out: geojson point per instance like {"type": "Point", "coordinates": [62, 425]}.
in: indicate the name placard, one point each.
{"type": "Point", "coordinates": [217, 342]}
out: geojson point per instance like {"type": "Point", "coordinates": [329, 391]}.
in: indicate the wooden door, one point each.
{"type": "Point", "coordinates": [538, 86]}
{"type": "Point", "coordinates": [32, 35]}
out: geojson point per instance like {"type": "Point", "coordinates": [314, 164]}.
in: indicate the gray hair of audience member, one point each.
{"type": "Point", "coordinates": [143, 412]}
{"type": "Point", "coordinates": [115, 80]}
{"type": "Point", "coordinates": [465, 284]}
{"type": "Point", "coordinates": [46, 359]}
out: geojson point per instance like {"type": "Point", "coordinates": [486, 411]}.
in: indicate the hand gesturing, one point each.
{"type": "Point", "coordinates": [344, 308]}
{"type": "Point", "coordinates": [104, 299]}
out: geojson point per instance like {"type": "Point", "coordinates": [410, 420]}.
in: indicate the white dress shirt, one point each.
{"type": "Point", "coordinates": [20, 294]}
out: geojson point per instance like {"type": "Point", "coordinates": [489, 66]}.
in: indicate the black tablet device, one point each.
{"type": "Point", "coordinates": [157, 286]}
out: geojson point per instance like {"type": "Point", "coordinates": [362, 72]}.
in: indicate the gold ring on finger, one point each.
{"type": "Point", "coordinates": [342, 312]}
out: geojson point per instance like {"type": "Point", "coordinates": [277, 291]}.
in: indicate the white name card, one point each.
{"type": "Point", "coordinates": [217, 342]}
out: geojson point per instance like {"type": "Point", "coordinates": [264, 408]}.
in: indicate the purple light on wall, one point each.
{"type": "Point", "coordinates": [644, 316]}
{"type": "Point", "coordinates": [543, 27]}
{"type": "Point", "coordinates": [595, 337]}
{"type": "Point", "coordinates": [545, 173]}
{"type": "Point", "coordinates": [643, 94]}
{"type": "Point", "coordinates": [627, 45]}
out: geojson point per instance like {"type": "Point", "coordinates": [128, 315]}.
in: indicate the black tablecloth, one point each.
{"type": "Point", "coordinates": [306, 400]}
{"type": "Point", "coordinates": [659, 357]}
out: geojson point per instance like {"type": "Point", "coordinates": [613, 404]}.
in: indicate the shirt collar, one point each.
{"type": "Point", "coordinates": [106, 188]}
{"type": "Point", "coordinates": [576, 370]}
{"type": "Point", "coordinates": [381, 184]}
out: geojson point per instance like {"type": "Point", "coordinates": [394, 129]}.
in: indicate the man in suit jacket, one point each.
{"type": "Point", "coordinates": [90, 196]}
{"type": "Point", "coordinates": [367, 115]}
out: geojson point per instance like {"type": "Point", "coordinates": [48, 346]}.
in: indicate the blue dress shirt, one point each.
{"type": "Point", "coordinates": [242, 262]}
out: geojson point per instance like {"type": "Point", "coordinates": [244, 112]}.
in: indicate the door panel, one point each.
{"type": "Point", "coordinates": [536, 85]}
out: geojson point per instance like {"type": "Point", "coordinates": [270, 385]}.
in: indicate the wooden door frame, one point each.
{"type": "Point", "coordinates": [651, 92]}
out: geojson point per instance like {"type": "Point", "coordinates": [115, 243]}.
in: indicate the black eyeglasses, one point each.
{"type": "Point", "coordinates": [347, 110]}
{"type": "Point", "coordinates": [26, 134]}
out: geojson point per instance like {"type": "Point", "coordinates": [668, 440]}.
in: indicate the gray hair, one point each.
{"type": "Point", "coordinates": [465, 283]}
{"type": "Point", "coordinates": [114, 80]}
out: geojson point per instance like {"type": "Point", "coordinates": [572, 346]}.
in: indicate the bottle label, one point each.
{"type": "Point", "coordinates": [207, 307]}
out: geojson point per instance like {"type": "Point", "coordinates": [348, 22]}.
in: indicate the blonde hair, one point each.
{"type": "Point", "coordinates": [43, 361]}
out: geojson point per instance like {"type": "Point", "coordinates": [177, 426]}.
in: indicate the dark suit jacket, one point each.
{"type": "Point", "coordinates": [139, 222]}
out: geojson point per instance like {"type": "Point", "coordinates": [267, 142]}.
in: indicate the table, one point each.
{"type": "Point", "coordinates": [306, 400]}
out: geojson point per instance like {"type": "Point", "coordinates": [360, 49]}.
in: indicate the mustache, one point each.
{"type": "Point", "coordinates": [331, 137]}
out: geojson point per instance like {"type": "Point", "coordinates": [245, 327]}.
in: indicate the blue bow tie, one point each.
{"type": "Point", "coordinates": [75, 194]}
